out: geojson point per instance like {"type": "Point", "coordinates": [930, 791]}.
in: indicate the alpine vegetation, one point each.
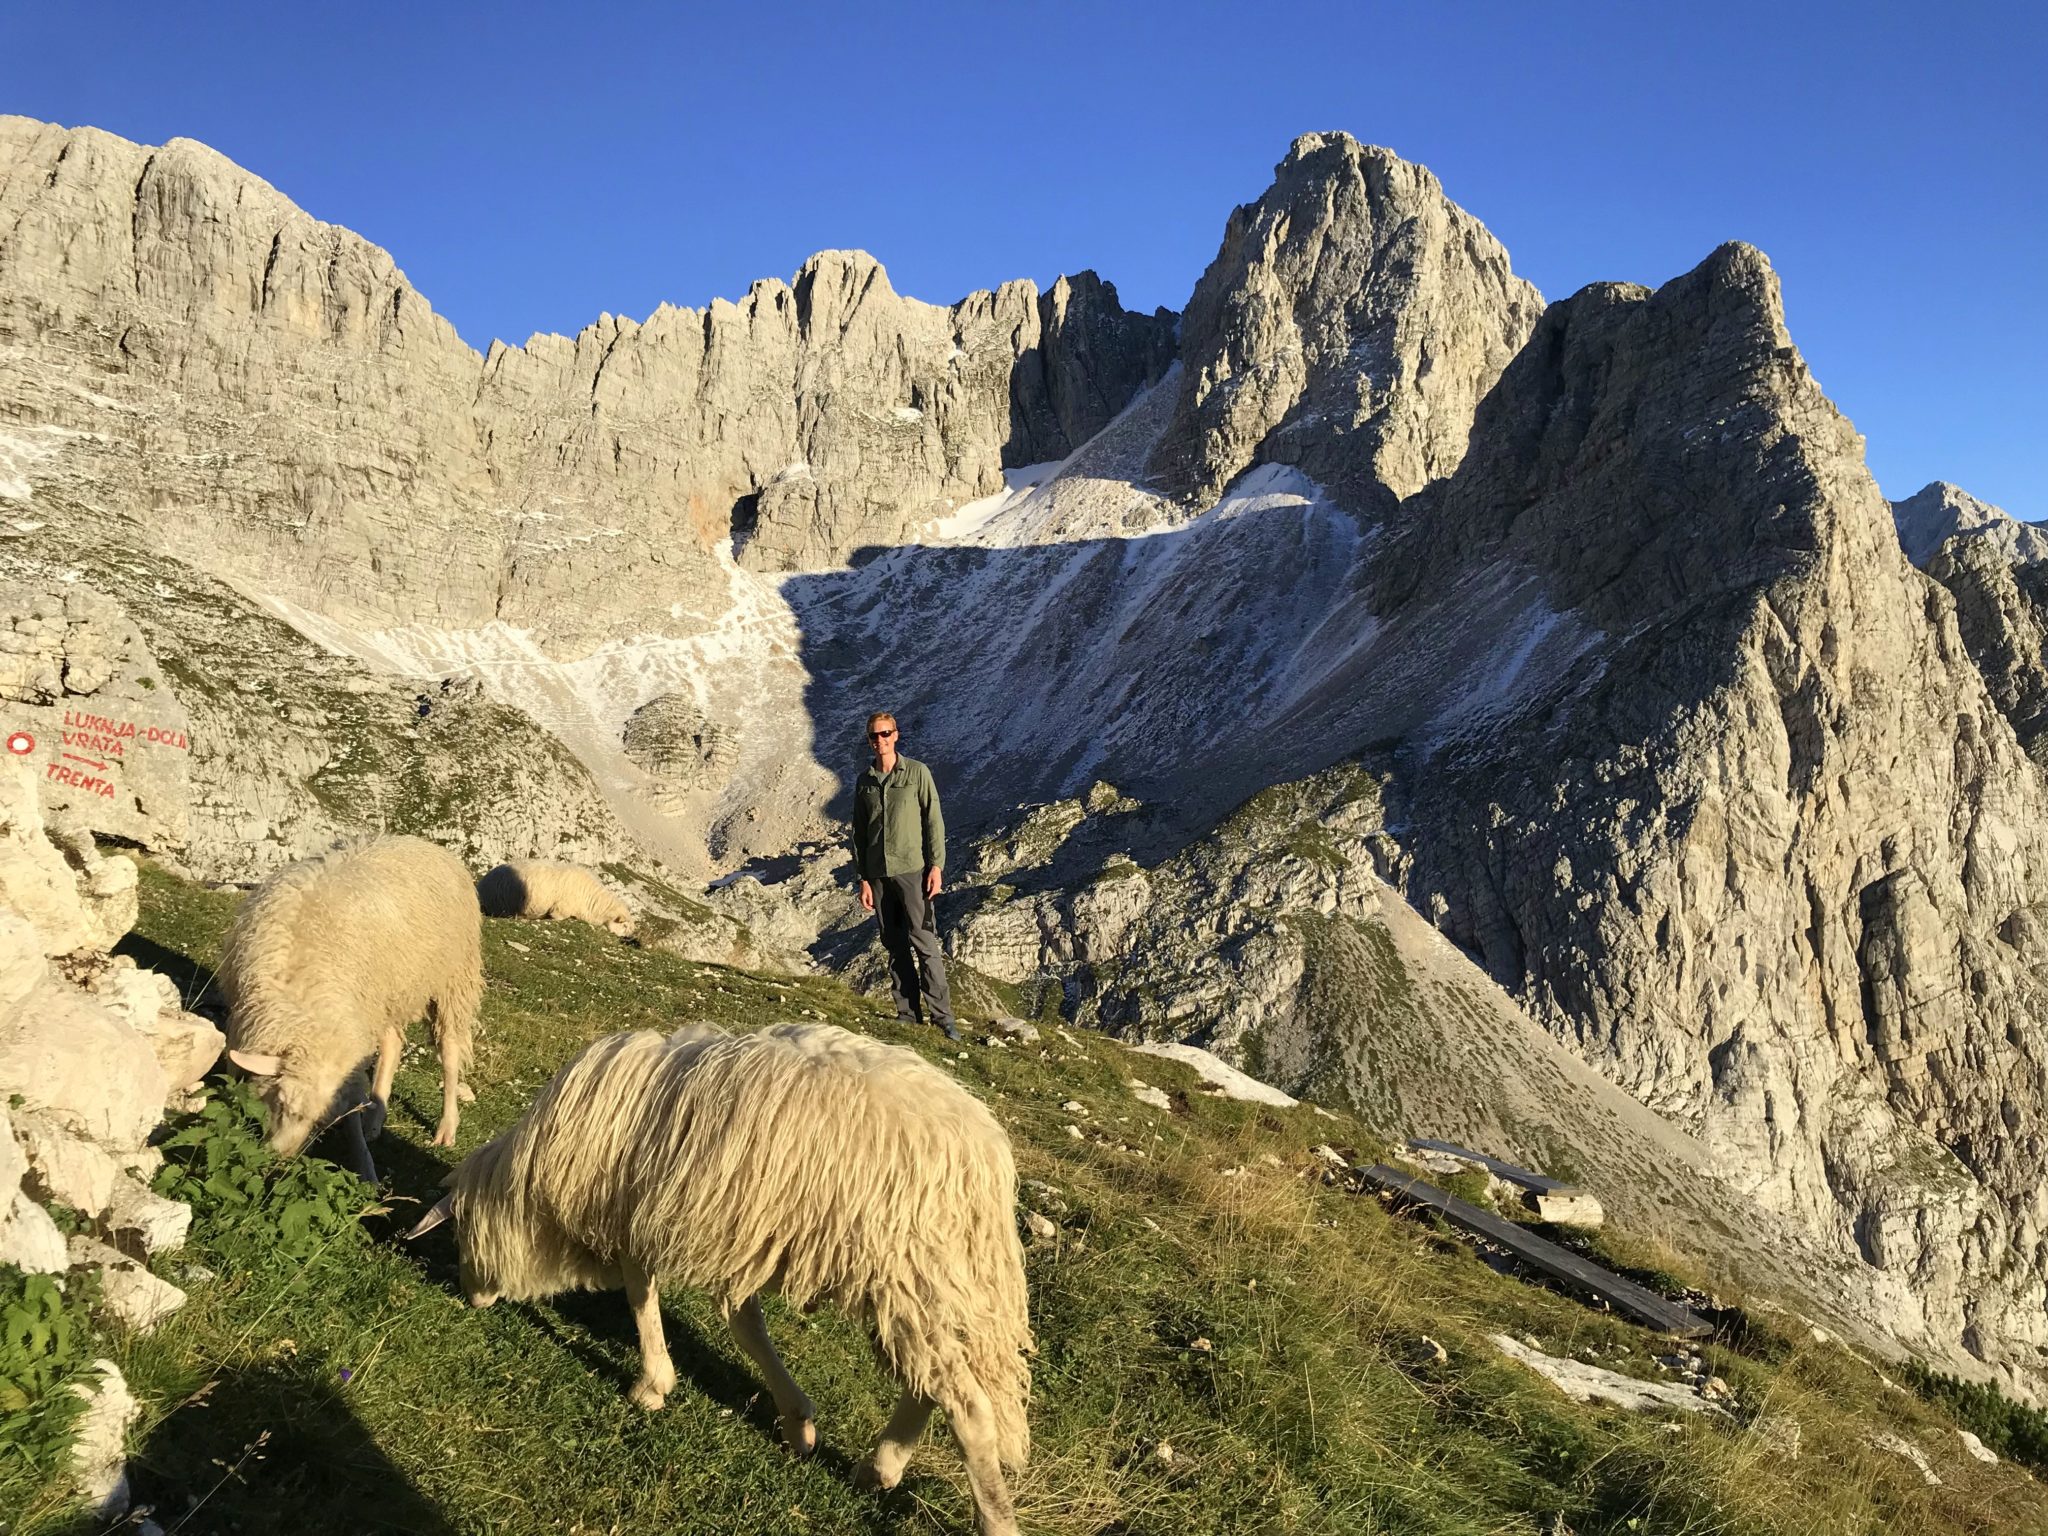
{"type": "Point", "coordinates": [544, 888]}
{"type": "Point", "coordinates": [804, 1159]}
{"type": "Point", "coordinates": [328, 962]}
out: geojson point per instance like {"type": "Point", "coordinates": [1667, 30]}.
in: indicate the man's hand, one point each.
{"type": "Point", "coordinates": [867, 897]}
{"type": "Point", "coordinates": [931, 882]}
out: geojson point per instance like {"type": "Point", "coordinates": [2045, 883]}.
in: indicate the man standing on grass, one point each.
{"type": "Point", "coordinates": [899, 848]}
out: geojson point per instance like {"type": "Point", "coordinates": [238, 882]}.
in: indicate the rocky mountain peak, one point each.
{"type": "Point", "coordinates": [831, 289]}
{"type": "Point", "coordinates": [1648, 450]}
{"type": "Point", "coordinates": [1350, 324]}
{"type": "Point", "coordinates": [1939, 511]}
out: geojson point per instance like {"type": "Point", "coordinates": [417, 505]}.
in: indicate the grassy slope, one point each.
{"type": "Point", "coordinates": [1301, 1415]}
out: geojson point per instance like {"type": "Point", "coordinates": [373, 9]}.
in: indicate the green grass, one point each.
{"type": "Point", "coordinates": [1199, 1295]}
{"type": "Point", "coordinates": [2006, 1427]}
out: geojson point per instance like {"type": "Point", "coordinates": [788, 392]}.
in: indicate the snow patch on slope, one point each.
{"type": "Point", "coordinates": [967, 520]}
{"type": "Point", "coordinates": [1031, 668]}
{"type": "Point", "coordinates": [745, 667]}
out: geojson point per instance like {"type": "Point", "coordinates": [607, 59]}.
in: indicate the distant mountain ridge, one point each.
{"type": "Point", "coordinates": [1938, 512]}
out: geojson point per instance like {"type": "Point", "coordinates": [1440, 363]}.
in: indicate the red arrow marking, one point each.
{"type": "Point", "coordinates": [77, 759]}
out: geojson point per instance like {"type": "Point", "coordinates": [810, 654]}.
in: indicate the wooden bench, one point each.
{"type": "Point", "coordinates": [1545, 1257]}
{"type": "Point", "coordinates": [1492, 1165]}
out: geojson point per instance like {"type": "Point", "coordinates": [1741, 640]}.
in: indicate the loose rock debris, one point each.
{"type": "Point", "coordinates": [1585, 1383]}
{"type": "Point", "coordinates": [1885, 1440]}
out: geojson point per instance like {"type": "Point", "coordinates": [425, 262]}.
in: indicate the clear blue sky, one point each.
{"type": "Point", "coordinates": [530, 165]}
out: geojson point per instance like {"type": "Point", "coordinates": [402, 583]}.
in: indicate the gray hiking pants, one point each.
{"type": "Point", "coordinates": [916, 963]}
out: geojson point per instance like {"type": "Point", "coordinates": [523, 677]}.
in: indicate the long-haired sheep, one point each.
{"type": "Point", "coordinates": [327, 963]}
{"type": "Point", "coordinates": [540, 888]}
{"type": "Point", "coordinates": [804, 1159]}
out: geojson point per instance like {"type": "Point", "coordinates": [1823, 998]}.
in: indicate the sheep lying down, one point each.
{"type": "Point", "coordinates": [328, 962]}
{"type": "Point", "coordinates": [804, 1159]}
{"type": "Point", "coordinates": [538, 888]}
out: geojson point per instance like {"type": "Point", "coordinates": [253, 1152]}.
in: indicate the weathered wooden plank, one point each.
{"type": "Point", "coordinates": [1493, 1165]}
{"type": "Point", "coordinates": [1625, 1296]}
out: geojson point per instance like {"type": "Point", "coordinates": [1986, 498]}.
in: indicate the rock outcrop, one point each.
{"type": "Point", "coordinates": [681, 749]}
{"type": "Point", "coordinates": [92, 1049]}
{"type": "Point", "coordinates": [1349, 325]}
{"type": "Point", "coordinates": [77, 677]}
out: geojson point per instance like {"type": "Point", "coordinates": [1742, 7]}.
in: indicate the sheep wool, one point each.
{"type": "Point", "coordinates": [804, 1158]}
{"type": "Point", "coordinates": [326, 964]}
{"type": "Point", "coordinates": [539, 888]}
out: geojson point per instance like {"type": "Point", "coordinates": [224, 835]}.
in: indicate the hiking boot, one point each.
{"type": "Point", "coordinates": [952, 1031]}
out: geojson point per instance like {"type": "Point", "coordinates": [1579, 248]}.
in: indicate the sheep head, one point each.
{"type": "Point", "coordinates": [299, 1099]}
{"type": "Point", "coordinates": [479, 1292]}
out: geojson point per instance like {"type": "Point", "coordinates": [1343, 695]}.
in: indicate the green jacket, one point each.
{"type": "Point", "coordinates": [897, 826]}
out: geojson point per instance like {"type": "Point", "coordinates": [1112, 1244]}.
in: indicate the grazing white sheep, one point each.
{"type": "Point", "coordinates": [539, 888]}
{"type": "Point", "coordinates": [327, 963]}
{"type": "Point", "coordinates": [804, 1159]}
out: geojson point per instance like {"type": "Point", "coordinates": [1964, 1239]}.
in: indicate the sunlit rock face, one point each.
{"type": "Point", "coordinates": [1349, 325]}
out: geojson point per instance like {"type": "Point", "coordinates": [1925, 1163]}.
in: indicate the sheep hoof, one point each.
{"type": "Point", "coordinates": [803, 1440]}
{"type": "Point", "coordinates": [875, 1478]}
{"type": "Point", "coordinates": [645, 1396]}
{"type": "Point", "coordinates": [444, 1135]}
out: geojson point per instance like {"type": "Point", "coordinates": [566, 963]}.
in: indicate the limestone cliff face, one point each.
{"type": "Point", "coordinates": [2002, 613]}
{"type": "Point", "coordinates": [1770, 852]}
{"type": "Point", "coordinates": [811, 419]}
{"type": "Point", "coordinates": [1350, 323]}
{"type": "Point", "coordinates": [1091, 357]}
{"type": "Point", "coordinates": [1996, 569]}
{"type": "Point", "coordinates": [276, 404]}
{"type": "Point", "coordinates": [263, 393]}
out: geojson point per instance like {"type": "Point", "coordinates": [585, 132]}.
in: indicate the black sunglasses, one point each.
{"type": "Point", "coordinates": [878, 735]}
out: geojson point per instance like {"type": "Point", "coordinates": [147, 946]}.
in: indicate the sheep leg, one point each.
{"type": "Point", "coordinates": [974, 1426]}
{"type": "Point", "coordinates": [358, 1147]}
{"type": "Point", "coordinates": [388, 1053]}
{"type": "Point", "coordinates": [899, 1439]}
{"type": "Point", "coordinates": [750, 1332]}
{"type": "Point", "coordinates": [451, 1084]}
{"type": "Point", "coordinates": [657, 1371]}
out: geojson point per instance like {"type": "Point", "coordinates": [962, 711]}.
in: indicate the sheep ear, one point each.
{"type": "Point", "coordinates": [255, 1063]}
{"type": "Point", "coordinates": [443, 1211]}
